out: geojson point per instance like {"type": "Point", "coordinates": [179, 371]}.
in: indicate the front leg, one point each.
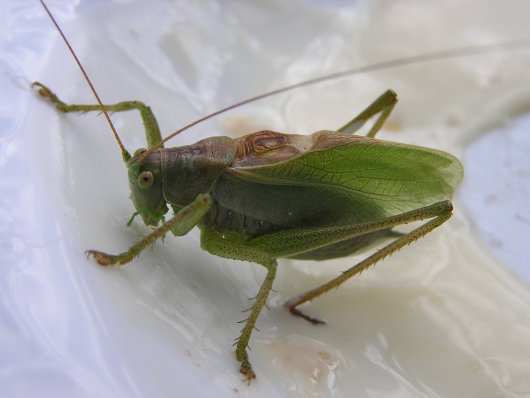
{"type": "Point", "coordinates": [152, 131]}
{"type": "Point", "coordinates": [182, 223]}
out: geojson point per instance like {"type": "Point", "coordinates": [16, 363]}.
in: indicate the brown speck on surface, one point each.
{"type": "Point", "coordinates": [522, 218]}
{"type": "Point", "coordinates": [236, 126]}
{"type": "Point", "coordinates": [453, 121]}
{"type": "Point", "coordinates": [392, 124]}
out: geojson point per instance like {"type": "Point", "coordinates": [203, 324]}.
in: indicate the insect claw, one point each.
{"type": "Point", "coordinates": [296, 312]}
{"type": "Point", "coordinates": [101, 258]}
{"type": "Point", "coordinates": [41, 89]}
{"type": "Point", "coordinates": [247, 371]}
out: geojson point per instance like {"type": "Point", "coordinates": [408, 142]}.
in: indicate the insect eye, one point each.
{"type": "Point", "coordinates": [138, 152]}
{"type": "Point", "coordinates": [146, 179]}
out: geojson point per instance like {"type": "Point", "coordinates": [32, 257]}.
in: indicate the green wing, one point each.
{"type": "Point", "coordinates": [376, 177]}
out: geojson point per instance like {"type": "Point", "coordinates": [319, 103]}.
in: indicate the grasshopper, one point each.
{"type": "Point", "coordinates": [270, 195]}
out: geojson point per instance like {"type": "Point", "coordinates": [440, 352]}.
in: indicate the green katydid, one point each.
{"type": "Point", "coordinates": [245, 194]}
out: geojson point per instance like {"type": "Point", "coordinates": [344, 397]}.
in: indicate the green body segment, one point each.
{"type": "Point", "coordinates": [340, 180]}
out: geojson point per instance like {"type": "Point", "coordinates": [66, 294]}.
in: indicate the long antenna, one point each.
{"type": "Point", "coordinates": [412, 60]}
{"type": "Point", "coordinates": [124, 152]}
{"type": "Point", "coordinates": [416, 59]}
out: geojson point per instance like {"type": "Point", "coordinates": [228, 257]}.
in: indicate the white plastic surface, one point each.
{"type": "Point", "coordinates": [442, 317]}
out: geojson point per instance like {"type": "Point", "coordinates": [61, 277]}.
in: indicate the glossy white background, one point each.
{"type": "Point", "coordinates": [443, 317]}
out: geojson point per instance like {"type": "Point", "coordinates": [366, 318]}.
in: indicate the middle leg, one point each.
{"type": "Point", "coordinates": [232, 246]}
